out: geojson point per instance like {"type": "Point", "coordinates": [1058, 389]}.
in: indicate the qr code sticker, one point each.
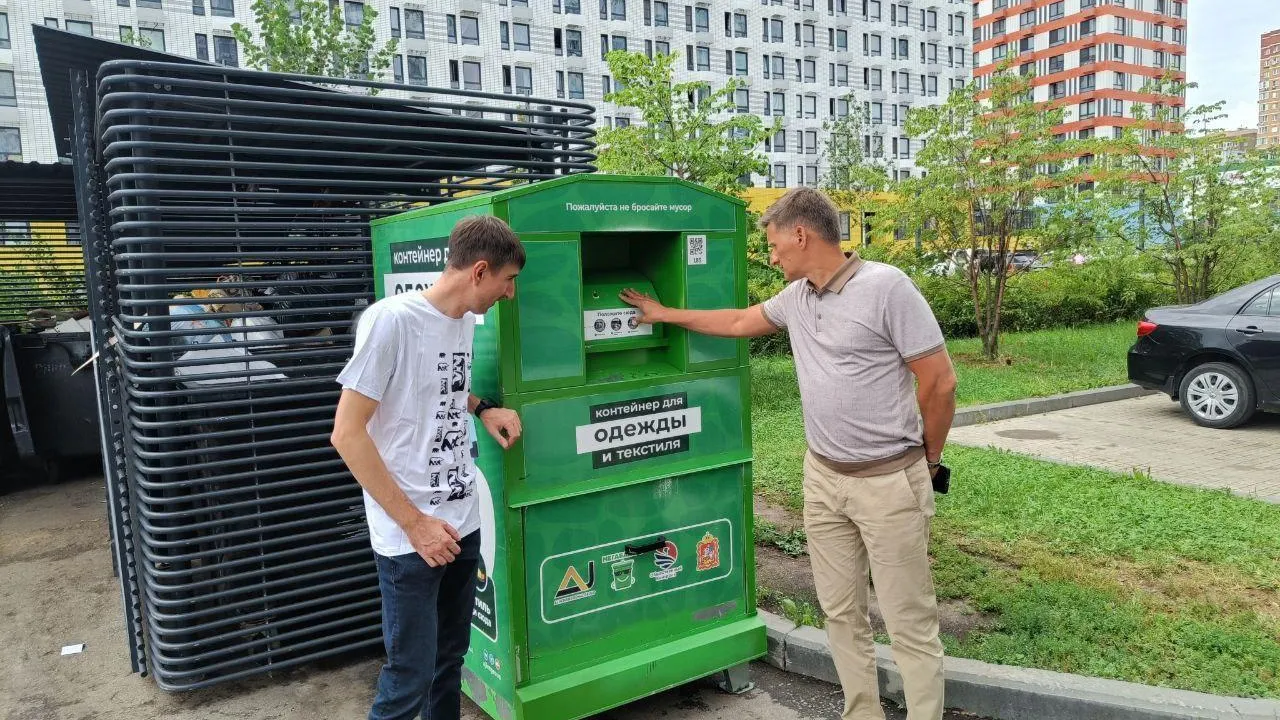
{"type": "Point", "coordinates": [697, 249]}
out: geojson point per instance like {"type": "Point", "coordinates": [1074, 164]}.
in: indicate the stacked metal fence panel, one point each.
{"type": "Point", "coordinates": [236, 235]}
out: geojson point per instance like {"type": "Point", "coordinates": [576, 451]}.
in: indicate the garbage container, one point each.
{"type": "Point", "coordinates": [53, 412]}
{"type": "Point", "coordinates": [617, 536]}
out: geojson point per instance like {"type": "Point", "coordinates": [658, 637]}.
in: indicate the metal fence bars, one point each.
{"type": "Point", "coordinates": [234, 220]}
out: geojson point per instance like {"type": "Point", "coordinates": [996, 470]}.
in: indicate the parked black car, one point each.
{"type": "Point", "coordinates": [1220, 357]}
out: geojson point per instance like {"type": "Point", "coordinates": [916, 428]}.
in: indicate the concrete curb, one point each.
{"type": "Point", "coordinates": [1014, 693]}
{"type": "Point", "coordinates": [1034, 406]}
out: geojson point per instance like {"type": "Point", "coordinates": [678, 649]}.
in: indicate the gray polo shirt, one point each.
{"type": "Point", "coordinates": [852, 340]}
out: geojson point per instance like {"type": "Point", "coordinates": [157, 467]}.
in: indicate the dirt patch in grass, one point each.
{"type": "Point", "coordinates": [781, 576]}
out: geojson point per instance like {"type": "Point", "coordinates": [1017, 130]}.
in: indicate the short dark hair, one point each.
{"type": "Point", "coordinates": [484, 237]}
{"type": "Point", "coordinates": [805, 206]}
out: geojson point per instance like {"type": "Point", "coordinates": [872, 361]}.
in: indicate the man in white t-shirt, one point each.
{"type": "Point", "coordinates": [402, 429]}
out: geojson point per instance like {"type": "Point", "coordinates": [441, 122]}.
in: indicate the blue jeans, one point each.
{"type": "Point", "coordinates": [426, 628]}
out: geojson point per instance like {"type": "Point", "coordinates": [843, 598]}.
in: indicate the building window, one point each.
{"type": "Point", "coordinates": [80, 28]}
{"type": "Point", "coordinates": [153, 37]}
{"type": "Point", "coordinates": [740, 66]}
{"type": "Point", "coordinates": [451, 28]}
{"type": "Point", "coordinates": [1057, 37]}
{"type": "Point", "coordinates": [202, 47]}
{"type": "Point", "coordinates": [454, 75]}
{"type": "Point", "coordinates": [1089, 55]}
{"type": "Point", "coordinates": [524, 81]}
{"type": "Point", "coordinates": [504, 35]}
{"type": "Point", "coordinates": [417, 70]}
{"type": "Point", "coordinates": [223, 8]}
{"type": "Point", "coordinates": [10, 144]}
{"type": "Point", "coordinates": [573, 43]}
{"type": "Point", "coordinates": [1057, 10]}
{"type": "Point", "coordinates": [742, 101]}
{"type": "Point", "coordinates": [413, 25]}
{"type": "Point", "coordinates": [471, 76]}
{"type": "Point", "coordinates": [5, 42]}
{"type": "Point", "coordinates": [663, 47]}
{"type": "Point", "coordinates": [1057, 63]}
{"type": "Point", "coordinates": [353, 14]}
{"type": "Point", "coordinates": [397, 69]}
{"type": "Point", "coordinates": [8, 91]}
{"type": "Point", "coordinates": [577, 86]}
{"type": "Point", "coordinates": [197, 7]}
{"type": "Point", "coordinates": [779, 179]}
{"type": "Point", "coordinates": [1088, 83]}
{"type": "Point", "coordinates": [471, 30]}
{"type": "Point", "coordinates": [521, 36]}
{"type": "Point", "coordinates": [1088, 109]}
{"type": "Point", "coordinates": [704, 58]}
{"type": "Point", "coordinates": [661, 14]}
{"type": "Point", "coordinates": [225, 51]}
{"type": "Point", "coordinates": [395, 21]}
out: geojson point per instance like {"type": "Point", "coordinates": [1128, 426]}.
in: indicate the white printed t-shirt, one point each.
{"type": "Point", "coordinates": [416, 362]}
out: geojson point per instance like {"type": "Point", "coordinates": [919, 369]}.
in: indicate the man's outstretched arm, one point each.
{"type": "Point", "coordinates": [733, 323]}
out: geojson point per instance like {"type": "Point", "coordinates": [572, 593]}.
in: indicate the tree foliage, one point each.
{"type": "Point", "coordinates": [1206, 212]}
{"type": "Point", "coordinates": [687, 130]}
{"type": "Point", "coordinates": [989, 158]}
{"type": "Point", "coordinates": [312, 37]}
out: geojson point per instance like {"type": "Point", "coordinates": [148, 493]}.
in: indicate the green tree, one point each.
{"type": "Point", "coordinates": [856, 176]}
{"type": "Point", "coordinates": [1173, 188]}
{"type": "Point", "coordinates": [313, 37]}
{"type": "Point", "coordinates": [852, 169]}
{"type": "Point", "coordinates": [989, 157]}
{"type": "Point", "coordinates": [687, 130]}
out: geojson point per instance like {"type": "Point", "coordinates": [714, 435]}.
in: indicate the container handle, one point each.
{"type": "Point", "coordinates": [651, 547]}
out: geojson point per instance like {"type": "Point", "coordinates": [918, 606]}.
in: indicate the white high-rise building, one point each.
{"type": "Point", "coordinates": [801, 59]}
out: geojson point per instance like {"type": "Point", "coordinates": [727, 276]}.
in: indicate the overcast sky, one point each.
{"type": "Point", "coordinates": [1223, 41]}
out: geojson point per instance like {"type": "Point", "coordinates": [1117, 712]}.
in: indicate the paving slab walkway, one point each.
{"type": "Point", "coordinates": [1150, 434]}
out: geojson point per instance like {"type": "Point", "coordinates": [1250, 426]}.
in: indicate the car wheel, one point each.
{"type": "Point", "coordinates": [1217, 395]}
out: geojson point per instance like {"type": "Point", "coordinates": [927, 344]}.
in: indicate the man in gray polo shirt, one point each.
{"type": "Point", "coordinates": [878, 393]}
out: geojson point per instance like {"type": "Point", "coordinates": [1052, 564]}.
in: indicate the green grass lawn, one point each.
{"type": "Point", "coordinates": [1085, 571]}
{"type": "Point", "coordinates": [1032, 364]}
{"type": "Point", "coordinates": [1041, 363]}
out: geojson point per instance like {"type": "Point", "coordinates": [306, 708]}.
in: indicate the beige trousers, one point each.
{"type": "Point", "coordinates": [877, 525]}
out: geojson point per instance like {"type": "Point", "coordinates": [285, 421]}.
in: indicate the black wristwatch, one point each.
{"type": "Point", "coordinates": [484, 405]}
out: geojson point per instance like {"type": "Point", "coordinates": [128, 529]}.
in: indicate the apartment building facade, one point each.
{"type": "Point", "coordinates": [1092, 57]}
{"type": "Point", "coordinates": [802, 60]}
{"type": "Point", "coordinates": [1269, 91]}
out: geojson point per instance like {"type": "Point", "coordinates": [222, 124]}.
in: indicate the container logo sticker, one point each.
{"type": "Point", "coordinates": [664, 558]}
{"type": "Point", "coordinates": [708, 552]}
{"type": "Point", "coordinates": [573, 587]}
{"type": "Point", "coordinates": [623, 575]}
{"type": "Point", "coordinates": [640, 429]}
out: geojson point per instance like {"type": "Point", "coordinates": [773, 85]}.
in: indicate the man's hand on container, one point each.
{"type": "Point", "coordinates": [435, 540]}
{"type": "Point", "coordinates": [650, 309]}
{"type": "Point", "coordinates": [503, 424]}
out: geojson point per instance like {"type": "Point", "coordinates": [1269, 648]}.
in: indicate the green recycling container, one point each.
{"type": "Point", "coordinates": [617, 553]}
